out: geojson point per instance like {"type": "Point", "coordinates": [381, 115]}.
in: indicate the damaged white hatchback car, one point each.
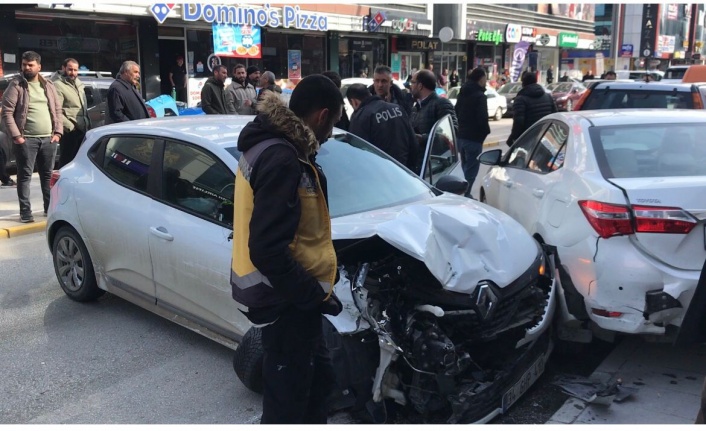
{"type": "Point", "coordinates": [448, 302]}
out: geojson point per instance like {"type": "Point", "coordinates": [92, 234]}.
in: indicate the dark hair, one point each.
{"type": "Point", "coordinates": [383, 70]}
{"type": "Point", "coordinates": [252, 69]}
{"type": "Point", "coordinates": [218, 67]}
{"type": "Point", "coordinates": [69, 60]}
{"type": "Point", "coordinates": [333, 76]}
{"type": "Point", "coordinates": [358, 92]}
{"type": "Point", "coordinates": [31, 56]}
{"type": "Point", "coordinates": [611, 72]}
{"type": "Point", "coordinates": [529, 78]}
{"type": "Point", "coordinates": [477, 74]}
{"type": "Point", "coordinates": [427, 78]}
{"type": "Point", "coordinates": [238, 66]}
{"type": "Point", "coordinates": [313, 93]}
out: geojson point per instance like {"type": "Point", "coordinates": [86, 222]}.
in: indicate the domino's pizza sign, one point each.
{"type": "Point", "coordinates": [160, 11]}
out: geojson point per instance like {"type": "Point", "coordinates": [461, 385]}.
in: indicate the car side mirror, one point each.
{"type": "Point", "coordinates": [452, 184]}
{"type": "Point", "coordinates": [491, 157]}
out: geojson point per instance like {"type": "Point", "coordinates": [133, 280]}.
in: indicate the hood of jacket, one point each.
{"type": "Point", "coordinates": [533, 90]}
{"type": "Point", "coordinates": [276, 120]}
{"type": "Point", "coordinates": [213, 81]}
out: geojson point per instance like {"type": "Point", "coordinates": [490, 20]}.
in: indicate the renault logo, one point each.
{"type": "Point", "coordinates": [485, 300]}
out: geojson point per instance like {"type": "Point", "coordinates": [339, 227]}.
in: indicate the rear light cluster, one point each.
{"type": "Point", "coordinates": [55, 175]}
{"type": "Point", "coordinates": [151, 112]}
{"type": "Point", "coordinates": [696, 99]}
{"type": "Point", "coordinates": [612, 220]}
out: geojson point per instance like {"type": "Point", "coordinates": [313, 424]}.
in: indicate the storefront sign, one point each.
{"type": "Point", "coordinates": [626, 50]}
{"type": "Point", "coordinates": [568, 40]}
{"type": "Point", "coordinates": [374, 23]}
{"type": "Point", "coordinates": [409, 44]}
{"type": "Point", "coordinates": [518, 58]}
{"type": "Point", "coordinates": [489, 32]}
{"type": "Point", "coordinates": [648, 35]}
{"type": "Point", "coordinates": [544, 39]}
{"type": "Point", "coordinates": [403, 25]}
{"type": "Point", "coordinates": [399, 22]}
{"type": "Point", "coordinates": [361, 44]}
{"type": "Point", "coordinates": [290, 16]}
{"type": "Point", "coordinates": [294, 64]}
{"type": "Point", "coordinates": [513, 33]}
{"type": "Point", "coordinates": [529, 34]}
{"type": "Point", "coordinates": [242, 41]}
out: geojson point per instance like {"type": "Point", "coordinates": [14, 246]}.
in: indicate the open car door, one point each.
{"type": "Point", "coordinates": [441, 153]}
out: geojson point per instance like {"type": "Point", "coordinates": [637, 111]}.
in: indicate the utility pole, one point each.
{"type": "Point", "coordinates": [616, 34]}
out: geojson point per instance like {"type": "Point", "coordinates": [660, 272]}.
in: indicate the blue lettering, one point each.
{"type": "Point", "coordinates": [241, 15]}
{"type": "Point", "coordinates": [303, 21]}
{"type": "Point", "coordinates": [250, 16]}
{"type": "Point", "coordinates": [262, 17]}
{"type": "Point", "coordinates": [274, 19]}
{"type": "Point", "coordinates": [227, 14]}
{"type": "Point", "coordinates": [290, 17]}
{"type": "Point", "coordinates": [188, 15]}
{"type": "Point", "coordinates": [323, 23]}
{"type": "Point", "coordinates": [209, 13]}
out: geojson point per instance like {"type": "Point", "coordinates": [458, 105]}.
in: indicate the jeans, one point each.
{"type": "Point", "coordinates": [41, 151]}
{"type": "Point", "coordinates": [470, 151]}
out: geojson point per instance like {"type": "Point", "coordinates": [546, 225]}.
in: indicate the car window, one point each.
{"type": "Point", "coordinates": [441, 154]}
{"type": "Point", "coordinates": [127, 160]}
{"type": "Point", "coordinates": [548, 156]}
{"type": "Point", "coordinates": [89, 97]}
{"type": "Point", "coordinates": [660, 150]}
{"type": "Point", "coordinates": [625, 99]}
{"type": "Point", "coordinates": [197, 182]}
{"type": "Point", "coordinates": [519, 153]}
{"type": "Point", "coordinates": [674, 73]}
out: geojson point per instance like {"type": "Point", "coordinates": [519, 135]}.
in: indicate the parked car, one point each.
{"type": "Point", "coordinates": [566, 94]}
{"type": "Point", "coordinates": [641, 95]}
{"type": "Point", "coordinates": [497, 104]}
{"type": "Point", "coordinates": [447, 302]}
{"type": "Point", "coordinates": [674, 74]}
{"type": "Point", "coordinates": [509, 91]}
{"type": "Point", "coordinates": [639, 75]}
{"type": "Point", "coordinates": [619, 196]}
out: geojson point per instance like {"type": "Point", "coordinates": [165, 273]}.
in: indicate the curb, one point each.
{"type": "Point", "coordinates": [491, 144]}
{"type": "Point", "coordinates": [15, 231]}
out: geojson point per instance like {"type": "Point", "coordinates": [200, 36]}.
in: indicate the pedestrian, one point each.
{"type": "Point", "coordinates": [454, 79]}
{"type": "Point", "coordinates": [443, 79]}
{"type": "Point", "coordinates": [253, 76]}
{"type": "Point", "coordinates": [267, 84]}
{"type": "Point", "coordinates": [564, 77]}
{"type": "Point", "coordinates": [588, 75]}
{"type": "Point", "coordinates": [531, 104]}
{"type": "Point", "coordinates": [284, 262]}
{"type": "Point", "coordinates": [550, 74]}
{"type": "Point", "coordinates": [124, 101]}
{"type": "Point", "coordinates": [242, 95]}
{"type": "Point", "coordinates": [74, 110]}
{"type": "Point", "coordinates": [429, 107]}
{"type": "Point", "coordinates": [384, 87]}
{"type": "Point", "coordinates": [473, 125]}
{"type": "Point", "coordinates": [177, 77]}
{"type": "Point", "coordinates": [384, 125]}
{"type": "Point", "coordinates": [344, 123]}
{"type": "Point", "coordinates": [610, 75]}
{"type": "Point", "coordinates": [213, 93]}
{"type": "Point", "coordinates": [31, 115]}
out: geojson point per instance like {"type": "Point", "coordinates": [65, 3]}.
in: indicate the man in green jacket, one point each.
{"type": "Point", "coordinates": [74, 109]}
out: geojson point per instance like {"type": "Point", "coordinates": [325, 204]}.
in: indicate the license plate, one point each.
{"type": "Point", "coordinates": [525, 382]}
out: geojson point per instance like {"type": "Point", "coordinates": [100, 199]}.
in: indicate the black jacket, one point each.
{"type": "Point", "coordinates": [124, 103]}
{"type": "Point", "coordinates": [531, 105]}
{"type": "Point", "coordinates": [213, 97]}
{"type": "Point", "coordinates": [387, 127]}
{"type": "Point", "coordinates": [429, 111]}
{"type": "Point", "coordinates": [398, 98]}
{"type": "Point", "coordinates": [344, 123]}
{"type": "Point", "coordinates": [472, 113]}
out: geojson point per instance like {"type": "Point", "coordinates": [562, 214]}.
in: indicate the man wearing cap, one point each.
{"type": "Point", "coordinates": [177, 76]}
{"type": "Point", "coordinates": [254, 76]}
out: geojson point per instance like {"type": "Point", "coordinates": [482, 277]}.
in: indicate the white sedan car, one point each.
{"type": "Point", "coordinates": [442, 286]}
{"type": "Point", "coordinates": [497, 104]}
{"type": "Point", "coordinates": [621, 196]}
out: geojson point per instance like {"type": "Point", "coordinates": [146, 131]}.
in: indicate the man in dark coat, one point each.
{"type": "Point", "coordinates": [531, 104]}
{"type": "Point", "coordinates": [383, 124]}
{"type": "Point", "coordinates": [124, 101]}
{"type": "Point", "coordinates": [473, 127]}
{"type": "Point", "coordinates": [213, 93]}
{"type": "Point", "coordinates": [550, 74]}
{"type": "Point", "coordinates": [429, 108]}
{"type": "Point", "coordinates": [388, 91]}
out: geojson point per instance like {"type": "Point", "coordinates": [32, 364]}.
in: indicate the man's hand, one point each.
{"type": "Point", "coordinates": [332, 306]}
{"type": "Point", "coordinates": [247, 102]}
{"type": "Point", "coordinates": [55, 138]}
{"type": "Point", "coordinates": [19, 140]}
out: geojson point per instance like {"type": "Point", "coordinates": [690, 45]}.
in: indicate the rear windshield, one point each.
{"type": "Point", "coordinates": [639, 151]}
{"type": "Point", "coordinates": [624, 99]}
{"type": "Point", "coordinates": [674, 73]}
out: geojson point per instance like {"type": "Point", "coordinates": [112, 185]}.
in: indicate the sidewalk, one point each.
{"type": "Point", "coordinates": [10, 225]}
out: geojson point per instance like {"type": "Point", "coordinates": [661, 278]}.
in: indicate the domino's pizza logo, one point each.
{"type": "Point", "coordinates": [160, 11]}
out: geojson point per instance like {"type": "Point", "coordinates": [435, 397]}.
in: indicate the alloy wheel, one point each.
{"type": "Point", "coordinates": [70, 264]}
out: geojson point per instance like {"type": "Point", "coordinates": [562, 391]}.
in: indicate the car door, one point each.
{"type": "Point", "coordinates": [441, 154]}
{"type": "Point", "coordinates": [530, 194]}
{"type": "Point", "coordinates": [189, 237]}
{"type": "Point", "coordinates": [112, 212]}
{"type": "Point", "coordinates": [95, 104]}
{"type": "Point", "coordinates": [502, 179]}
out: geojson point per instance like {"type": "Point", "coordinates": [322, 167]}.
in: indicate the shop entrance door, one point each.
{"type": "Point", "coordinates": [169, 49]}
{"type": "Point", "coordinates": [408, 62]}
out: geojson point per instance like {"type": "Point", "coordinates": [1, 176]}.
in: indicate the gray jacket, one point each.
{"type": "Point", "coordinates": [237, 94]}
{"type": "Point", "coordinates": [74, 107]}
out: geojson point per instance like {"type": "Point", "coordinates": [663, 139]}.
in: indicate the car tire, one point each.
{"type": "Point", "coordinates": [569, 105]}
{"type": "Point", "coordinates": [74, 267]}
{"type": "Point", "coordinates": [498, 114]}
{"type": "Point", "coordinates": [248, 359]}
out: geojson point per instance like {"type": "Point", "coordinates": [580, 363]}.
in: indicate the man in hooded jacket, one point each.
{"type": "Point", "coordinates": [531, 105]}
{"type": "Point", "coordinates": [213, 93]}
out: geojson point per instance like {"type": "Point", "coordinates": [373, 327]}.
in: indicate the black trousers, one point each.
{"type": "Point", "coordinates": [4, 156]}
{"type": "Point", "coordinates": [297, 370]}
{"type": "Point", "coordinates": [35, 150]}
{"type": "Point", "coordinates": [70, 142]}
{"type": "Point", "coordinates": [181, 94]}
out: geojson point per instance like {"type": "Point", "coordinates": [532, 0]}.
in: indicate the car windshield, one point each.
{"type": "Point", "coordinates": [362, 178]}
{"type": "Point", "coordinates": [640, 151]}
{"type": "Point", "coordinates": [562, 87]}
{"type": "Point", "coordinates": [510, 88]}
{"type": "Point", "coordinates": [627, 98]}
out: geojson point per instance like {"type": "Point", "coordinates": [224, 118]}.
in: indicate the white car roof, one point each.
{"type": "Point", "coordinates": [621, 117]}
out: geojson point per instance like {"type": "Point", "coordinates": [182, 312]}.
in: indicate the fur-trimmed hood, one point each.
{"type": "Point", "coordinates": [276, 120]}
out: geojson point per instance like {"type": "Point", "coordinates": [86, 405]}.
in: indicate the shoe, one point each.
{"type": "Point", "coordinates": [26, 218]}
{"type": "Point", "coordinates": [9, 183]}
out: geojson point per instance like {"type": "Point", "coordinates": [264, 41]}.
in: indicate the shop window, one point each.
{"type": "Point", "coordinates": [358, 57]}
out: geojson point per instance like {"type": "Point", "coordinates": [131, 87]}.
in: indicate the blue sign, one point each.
{"type": "Point", "coordinates": [626, 50]}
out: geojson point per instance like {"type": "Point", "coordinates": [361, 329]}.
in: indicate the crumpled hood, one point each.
{"type": "Point", "coordinates": [459, 240]}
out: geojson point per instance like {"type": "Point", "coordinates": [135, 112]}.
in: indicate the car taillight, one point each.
{"type": "Point", "coordinates": [696, 99]}
{"type": "Point", "coordinates": [662, 220]}
{"type": "Point", "coordinates": [607, 219]}
{"type": "Point", "coordinates": [55, 175]}
{"type": "Point", "coordinates": [151, 112]}
{"type": "Point", "coordinates": [582, 99]}
{"type": "Point", "coordinates": [611, 220]}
